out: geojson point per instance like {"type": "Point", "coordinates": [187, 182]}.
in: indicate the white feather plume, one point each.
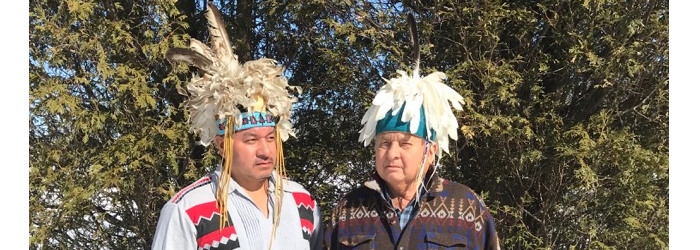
{"type": "Point", "coordinates": [430, 92]}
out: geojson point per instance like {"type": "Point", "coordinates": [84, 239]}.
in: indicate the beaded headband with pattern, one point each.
{"type": "Point", "coordinates": [254, 94]}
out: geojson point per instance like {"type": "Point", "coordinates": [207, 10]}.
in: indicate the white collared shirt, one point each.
{"type": "Point", "coordinates": [190, 219]}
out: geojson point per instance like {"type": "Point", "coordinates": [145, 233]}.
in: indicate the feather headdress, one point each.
{"type": "Point", "coordinates": [414, 93]}
{"type": "Point", "coordinates": [228, 95]}
{"type": "Point", "coordinates": [227, 85]}
{"type": "Point", "coordinates": [424, 102]}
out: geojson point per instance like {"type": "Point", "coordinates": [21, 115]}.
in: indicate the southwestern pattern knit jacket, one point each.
{"type": "Point", "coordinates": [450, 216]}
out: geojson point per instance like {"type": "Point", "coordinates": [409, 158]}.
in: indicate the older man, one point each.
{"type": "Point", "coordinates": [405, 204]}
{"type": "Point", "coordinates": [246, 203]}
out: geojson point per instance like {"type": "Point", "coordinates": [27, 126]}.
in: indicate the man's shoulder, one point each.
{"type": "Point", "coordinates": [195, 193]}
{"type": "Point", "coordinates": [294, 187]}
{"type": "Point", "coordinates": [361, 192]}
{"type": "Point", "coordinates": [301, 195]}
{"type": "Point", "coordinates": [456, 189]}
{"type": "Point", "coordinates": [358, 197]}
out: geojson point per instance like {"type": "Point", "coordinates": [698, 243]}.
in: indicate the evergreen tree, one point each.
{"type": "Point", "coordinates": [565, 128]}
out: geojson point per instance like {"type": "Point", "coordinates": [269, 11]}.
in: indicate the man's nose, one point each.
{"type": "Point", "coordinates": [393, 151]}
{"type": "Point", "coordinates": [265, 149]}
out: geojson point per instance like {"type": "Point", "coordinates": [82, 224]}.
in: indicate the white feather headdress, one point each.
{"type": "Point", "coordinates": [227, 85]}
{"type": "Point", "coordinates": [416, 92]}
{"type": "Point", "coordinates": [429, 93]}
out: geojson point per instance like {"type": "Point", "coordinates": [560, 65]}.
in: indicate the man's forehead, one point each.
{"type": "Point", "coordinates": [257, 131]}
{"type": "Point", "coordinates": [398, 136]}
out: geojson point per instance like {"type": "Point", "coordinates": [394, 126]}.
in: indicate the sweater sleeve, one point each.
{"type": "Point", "coordinates": [317, 235]}
{"type": "Point", "coordinates": [175, 230]}
{"type": "Point", "coordinates": [330, 233]}
{"type": "Point", "coordinates": [491, 237]}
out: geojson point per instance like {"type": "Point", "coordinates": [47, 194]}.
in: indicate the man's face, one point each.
{"type": "Point", "coordinates": [254, 153]}
{"type": "Point", "coordinates": [398, 156]}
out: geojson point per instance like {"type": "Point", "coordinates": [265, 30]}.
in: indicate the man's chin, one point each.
{"type": "Point", "coordinates": [393, 178]}
{"type": "Point", "coordinates": [264, 174]}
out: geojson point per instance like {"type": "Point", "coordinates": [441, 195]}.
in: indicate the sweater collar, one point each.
{"type": "Point", "coordinates": [377, 184]}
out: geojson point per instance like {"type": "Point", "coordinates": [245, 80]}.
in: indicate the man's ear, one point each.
{"type": "Point", "coordinates": [219, 143]}
{"type": "Point", "coordinates": [432, 149]}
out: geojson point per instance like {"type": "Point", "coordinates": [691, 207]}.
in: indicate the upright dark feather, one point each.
{"type": "Point", "coordinates": [221, 45]}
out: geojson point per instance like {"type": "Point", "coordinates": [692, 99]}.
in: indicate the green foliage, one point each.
{"type": "Point", "coordinates": [108, 139]}
{"type": "Point", "coordinates": [565, 128]}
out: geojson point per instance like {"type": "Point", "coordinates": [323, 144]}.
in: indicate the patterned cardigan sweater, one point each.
{"type": "Point", "coordinates": [449, 216]}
